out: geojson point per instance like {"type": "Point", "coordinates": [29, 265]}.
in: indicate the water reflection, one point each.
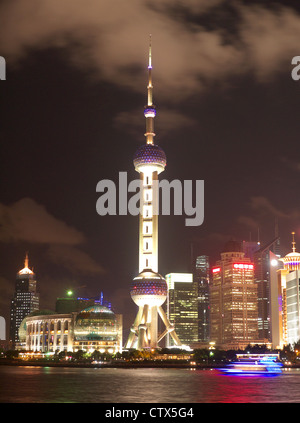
{"type": "Point", "coordinates": [38, 384]}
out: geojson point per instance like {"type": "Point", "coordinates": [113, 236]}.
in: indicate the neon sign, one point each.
{"type": "Point", "coordinates": [243, 266]}
{"type": "Point", "coordinates": [216, 270]}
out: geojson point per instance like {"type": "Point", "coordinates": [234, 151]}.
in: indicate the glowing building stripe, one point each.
{"type": "Point", "coordinates": [243, 266]}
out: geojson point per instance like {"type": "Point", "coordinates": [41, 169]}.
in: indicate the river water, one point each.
{"type": "Point", "coordinates": [148, 385]}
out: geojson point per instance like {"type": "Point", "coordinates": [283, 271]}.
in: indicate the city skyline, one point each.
{"type": "Point", "coordinates": [67, 124]}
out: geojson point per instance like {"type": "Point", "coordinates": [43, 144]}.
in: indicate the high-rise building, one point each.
{"type": "Point", "coordinates": [149, 289]}
{"type": "Point", "coordinates": [233, 299]}
{"type": "Point", "coordinates": [182, 306]}
{"type": "Point", "coordinates": [201, 277]}
{"type": "Point", "coordinates": [25, 300]}
{"type": "Point", "coordinates": [285, 298]}
{"type": "Point", "coordinates": [250, 248]}
{"type": "Point", "coordinates": [262, 270]}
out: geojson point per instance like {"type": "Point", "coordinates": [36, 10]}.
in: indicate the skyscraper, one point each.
{"type": "Point", "coordinates": [182, 306]}
{"type": "Point", "coordinates": [285, 300]}
{"type": "Point", "coordinates": [262, 271]}
{"type": "Point", "coordinates": [25, 300]}
{"type": "Point", "coordinates": [201, 277]}
{"type": "Point", "coordinates": [233, 298]}
{"type": "Point", "coordinates": [149, 289]}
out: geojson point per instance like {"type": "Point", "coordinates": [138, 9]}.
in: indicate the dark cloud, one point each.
{"type": "Point", "coordinates": [248, 222]}
{"type": "Point", "coordinates": [108, 40]}
{"type": "Point", "coordinates": [26, 220]}
{"type": "Point", "coordinates": [263, 207]}
{"type": "Point", "coordinates": [74, 260]}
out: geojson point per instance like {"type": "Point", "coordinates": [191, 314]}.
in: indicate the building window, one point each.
{"type": "Point", "coordinates": [147, 212]}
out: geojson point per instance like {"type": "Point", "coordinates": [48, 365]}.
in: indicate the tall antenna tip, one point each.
{"type": "Point", "coordinates": [293, 243]}
{"type": "Point", "coordinates": [150, 59]}
{"type": "Point", "coordinates": [26, 261]}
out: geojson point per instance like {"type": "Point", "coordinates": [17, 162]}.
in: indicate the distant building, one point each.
{"type": "Point", "coordinates": [233, 299]}
{"type": "Point", "coordinates": [182, 306]}
{"type": "Point", "coordinates": [250, 248]}
{"type": "Point", "coordinates": [69, 305]}
{"type": "Point", "coordinates": [25, 300]}
{"type": "Point", "coordinates": [201, 277]}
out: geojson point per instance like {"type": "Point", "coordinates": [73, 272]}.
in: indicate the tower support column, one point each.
{"type": "Point", "coordinates": [142, 334]}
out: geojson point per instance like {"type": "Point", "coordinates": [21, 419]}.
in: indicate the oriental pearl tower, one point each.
{"type": "Point", "coordinates": [149, 289]}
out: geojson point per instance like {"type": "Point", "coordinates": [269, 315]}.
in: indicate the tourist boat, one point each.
{"type": "Point", "coordinates": [254, 364]}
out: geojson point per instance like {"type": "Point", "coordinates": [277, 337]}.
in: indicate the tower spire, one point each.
{"type": "Point", "coordinates": [150, 60]}
{"type": "Point", "coordinates": [150, 111]}
{"type": "Point", "coordinates": [26, 269]}
{"type": "Point", "coordinates": [149, 87]}
{"type": "Point", "coordinates": [293, 243]}
{"type": "Point", "coordinates": [26, 261]}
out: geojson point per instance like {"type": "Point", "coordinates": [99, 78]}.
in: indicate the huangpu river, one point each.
{"type": "Point", "coordinates": [22, 384]}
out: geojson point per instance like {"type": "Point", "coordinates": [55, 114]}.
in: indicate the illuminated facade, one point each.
{"type": "Point", "coordinates": [233, 299]}
{"type": "Point", "coordinates": [202, 277]}
{"type": "Point", "coordinates": [182, 306]}
{"type": "Point", "coordinates": [149, 288]}
{"type": "Point", "coordinates": [25, 300]}
{"type": "Point", "coordinates": [94, 328]}
{"type": "Point", "coordinates": [285, 300]}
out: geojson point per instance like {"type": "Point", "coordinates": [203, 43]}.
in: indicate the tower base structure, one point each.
{"type": "Point", "coordinates": [143, 333]}
{"type": "Point", "coordinates": [149, 292]}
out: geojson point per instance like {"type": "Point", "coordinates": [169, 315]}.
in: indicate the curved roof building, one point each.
{"type": "Point", "coordinates": [93, 328]}
{"type": "Point", "coordinates": [96, 323]}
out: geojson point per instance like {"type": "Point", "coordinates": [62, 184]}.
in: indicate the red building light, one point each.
{"type": "Point", "coordinates": [216, 269]}
{"type": "Point", "coordinates": [246, 266]}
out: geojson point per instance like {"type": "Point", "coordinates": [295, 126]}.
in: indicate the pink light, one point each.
{"type": "Point", "coordinates": [243, 266]}
{"type": "Point", "coordinates": [216, 270]}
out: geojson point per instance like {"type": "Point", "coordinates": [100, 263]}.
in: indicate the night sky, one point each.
{"type": "Point", "coordinates": [72, 115]}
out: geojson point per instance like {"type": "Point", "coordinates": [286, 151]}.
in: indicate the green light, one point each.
{"type": "Point", "coordinates": [70, 293]}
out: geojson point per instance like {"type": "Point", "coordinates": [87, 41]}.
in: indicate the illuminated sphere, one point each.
{"type": "Point", "coordinates": [150, 156]}
{"type": "Point", "coordinates": [96, 323]}
{"type": "Point", "coordinates": [149, 288]}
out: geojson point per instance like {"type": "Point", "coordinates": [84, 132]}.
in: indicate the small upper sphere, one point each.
{"type": "Point", "coordinates": [150, 155]}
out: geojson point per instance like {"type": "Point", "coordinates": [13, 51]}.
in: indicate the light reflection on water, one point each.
{"type": "Point", "coordinates": [53, 384]}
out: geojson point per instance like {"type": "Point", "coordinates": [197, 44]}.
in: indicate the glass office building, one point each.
{"type": "Point", "coordinates": [182, 306]}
